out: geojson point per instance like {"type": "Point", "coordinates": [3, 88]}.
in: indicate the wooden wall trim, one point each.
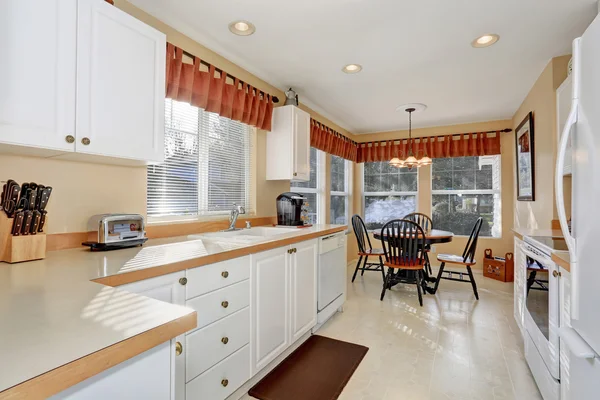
{"type": "Point", "coordinates": [63, 377]}
{"type": "Point", "coordinates": [71, 240]}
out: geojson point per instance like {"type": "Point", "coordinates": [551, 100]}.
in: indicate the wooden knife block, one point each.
{"type": "Point", "coordinates": [14, 249]}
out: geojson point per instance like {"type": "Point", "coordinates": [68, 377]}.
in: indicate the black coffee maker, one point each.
{"type": "Point", "coordinates": [290, 210]}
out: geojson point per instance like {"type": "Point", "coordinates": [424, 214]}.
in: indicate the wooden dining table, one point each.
{"type": "Point", "coordinates": [433, 236]}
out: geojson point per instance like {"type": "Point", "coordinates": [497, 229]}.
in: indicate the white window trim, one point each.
{"type": "Point", "coordinates": [348, 193]}
{"type": "Point", "coordinates": [365, 194]}
{"type": "Point", "coordinates": [319, 190]}
{"type": "Point", "coordinates": [475, 192]}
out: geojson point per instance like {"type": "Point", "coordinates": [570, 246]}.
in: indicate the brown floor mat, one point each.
{"type": "Point", "coordinates": [317, 370]}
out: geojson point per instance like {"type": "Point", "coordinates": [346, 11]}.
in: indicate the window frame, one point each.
{"type": "Point", "coordinates": [393, 193]}
{"type": "Point", "coordinates": [203, 181]}
{"type": "Point", "coordinates": [319, 191]}
{"type": "Point", "coordinates": [474, 192]}
{"type": "Point", "coordinates": [347, 193]}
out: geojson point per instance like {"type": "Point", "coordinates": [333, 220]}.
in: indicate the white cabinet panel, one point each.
{"type": "Point", "coordinates": [288, 145]}
{"type": "Point", "coordinates": [120, 84]}
{"type": "Point", "coordinates": [146, 376]}
{"type": "Point", "coordinates": [209, 345]}
{"type": "Point", "coordinates": [270, 306]}
{"type": "Point", "coordinates": [519, 285]}
{"type": "Point", "coordinates": [207, 278]}
{"type": "Point", "coordinates": [303, 288]}
{"type": "Point", "coordinates": [37, 73]}
{"type": "Point", "coordinates": [218, 304]}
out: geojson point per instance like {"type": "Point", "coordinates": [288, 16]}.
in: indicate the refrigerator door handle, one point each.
{"type": "Point", "coordinates": [579, 348]}
{"type": "Point", "coordinates": [560, 206]}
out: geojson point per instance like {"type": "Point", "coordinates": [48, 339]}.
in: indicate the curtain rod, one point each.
{"type": "Point", "coordinates": [506, 130]}
{"type": "Point", "coordinates": [190, 55]}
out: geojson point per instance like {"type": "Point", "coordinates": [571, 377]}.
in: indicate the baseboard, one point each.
{"type": "Point", "coordinates": [243, 390]}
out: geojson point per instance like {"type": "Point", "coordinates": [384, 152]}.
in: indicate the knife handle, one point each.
{"type": "Point", "coordinates": [3, 195]}
{"type": "Point", "coordinates": [17, 223]}
{"type": "Point", "coordinates": [35, 223]}
{"type": "Point", "coordinates": [42, 221]}
{"type": "Point", "coordinates": [32, 200]}
{"type": "Point", "coordinates": [27, 222]}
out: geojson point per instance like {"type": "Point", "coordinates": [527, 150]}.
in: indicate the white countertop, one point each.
{"type": "Point", "coordinates": [51, 314]}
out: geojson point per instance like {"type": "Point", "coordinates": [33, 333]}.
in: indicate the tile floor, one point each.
{"type": "Point", "coordinates": [454, 347]}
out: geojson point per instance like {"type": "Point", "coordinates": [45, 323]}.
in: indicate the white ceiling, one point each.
{"type": "Point", "coordinates": [411, 51]}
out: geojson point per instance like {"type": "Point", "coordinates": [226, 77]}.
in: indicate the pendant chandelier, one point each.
{"type": "Point", "coordinates": [411, 161]}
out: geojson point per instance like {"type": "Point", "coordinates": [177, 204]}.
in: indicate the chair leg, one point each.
{"type": "Point", "coordinates": [531, 280]}
{"type": "Point", "coordinates": [428, 263]}
{"type": "Point", "coordinates": [419, 275]}
{"type": "Point", "coordinates": [385, 284]}
{"type": "Point", "coordinates": [362, 272]}
{"type": "Point", "coordinates": [439, 277]}
{"type": "Point", "coordinates": [357, 266]}
{"type": "Point", "coordinates": [382, 268]}
{"type": "Point", "coordinates": [473, 282]}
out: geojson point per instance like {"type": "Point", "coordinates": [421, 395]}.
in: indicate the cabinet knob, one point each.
{"type": "Point", "coordinates": [70, 139]}
{"type": "Point", "coordinates": [224, 382]}
{"type": "Point", "coordinates": [183, 281]}
{"type": "Point", "coordinates": [294, 250]}
{"type": "Point", "coordinates": [225, 340]}
{"type": "Point", "coordinates": [178, 348]}
{"type": "Point", "coordinates": [556, 274]}
{"type": "Point", "coordinates": [224, 274]}
{"type": "Point", "coordinates": [295, 174]}
{"type": "Point", "coordinates": [85, 141]}
{"type": "Point", "coordinates": [224, 304]}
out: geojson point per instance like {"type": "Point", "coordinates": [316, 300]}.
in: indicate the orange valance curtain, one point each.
{"type": "Point", "coordinates": [461, 145]}
{"type": "Point", "coordinates": [332, 142]}
{"type": "Point", "coordinates": [210, 91]}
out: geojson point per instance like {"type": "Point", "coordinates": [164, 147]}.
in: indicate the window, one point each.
{"type": "Point", "coordinates": [341, 173]}
{"type": "Point", "coordinates": [313, 189]}
{"type": "Point", "coordinates": [464, 189]}
{"type": "Point", "coordinates": [389, 193]}
{"type": "Point", "coordinates": [207, 168]}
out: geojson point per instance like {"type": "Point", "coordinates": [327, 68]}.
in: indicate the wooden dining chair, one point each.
{"type": "Point", "coordinates": [402, 241]}
{"type": "Point", "coordinates": [467, 260]}
{"type": "Point", "coordinates": [426, 223]}
{"type": "Point", "coordinates": [365, 249]}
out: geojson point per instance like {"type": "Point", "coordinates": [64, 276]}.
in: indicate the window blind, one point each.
{"type": "Point", "coordinates": [207, 168]}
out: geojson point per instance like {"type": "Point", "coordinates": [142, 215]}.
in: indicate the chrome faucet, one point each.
{"type": "Point", "coordinates": [235, 213]}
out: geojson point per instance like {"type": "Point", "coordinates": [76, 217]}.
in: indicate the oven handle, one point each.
{"type": "Point", "coordinates": [579, 348]}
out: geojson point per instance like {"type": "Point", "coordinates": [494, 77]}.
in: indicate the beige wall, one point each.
{"type": "Point", "coordinates": [541, 100]}
{"type": "Point", "coordinates": [499, 246]}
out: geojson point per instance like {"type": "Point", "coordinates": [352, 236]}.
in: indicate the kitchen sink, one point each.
{"type": "Point", "coordinates": [245, 235]}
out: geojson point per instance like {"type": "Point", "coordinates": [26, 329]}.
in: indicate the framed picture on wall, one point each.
{"type": "Point", "coordinates": [524, 143]}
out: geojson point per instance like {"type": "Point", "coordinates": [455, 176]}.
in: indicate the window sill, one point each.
{"type": "Point", "coordinates": [206, 218]}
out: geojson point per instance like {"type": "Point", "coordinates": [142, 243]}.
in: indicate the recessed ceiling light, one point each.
{"type": "Point", "coordinates": [416, 106]}
{"type": "Point", "coordinates": [352, 68]}
{"type": "Point", "coordinates": [485, 40]}
{"type": "Point", "coordinates": [242, 28]}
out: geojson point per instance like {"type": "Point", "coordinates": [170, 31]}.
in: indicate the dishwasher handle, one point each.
{"type": "Point", "coordinates": [331, 242]}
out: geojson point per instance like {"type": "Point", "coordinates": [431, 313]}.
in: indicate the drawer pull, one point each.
{"type": "Point", "coordinates": [225, 274]}
{"type": "Point", "coordinates": [225, 340]}
{"type": "Point", "coordinates": [224, 382]}
{"type": "Point", "coordinates": [224, 304]}
{"type": "Point", "coordinates": [178, 348]}
{"type": "Point", "coordinates": [183, 281]}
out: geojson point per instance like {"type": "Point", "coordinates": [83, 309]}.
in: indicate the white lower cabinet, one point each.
{"type": "Point", "coordinates": [284, 296]}
{"type": "Point", "coordinates": [565, 320]}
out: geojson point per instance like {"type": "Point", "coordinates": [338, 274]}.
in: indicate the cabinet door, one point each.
{"type": "Point", "coordinates": [301, 150]}
{"type": "Point", "coordinates": [120, 84]}
{"type": "Point", "coordinates": [37, 72]}
{"type": "Point", "coordinates": [270, 306]}
{"type": "Point", "coordinates": [565, 320]}
{"type": "Point", "coordinates": [167, 288]}
{"type": "Point", "coordinates": [303, 288]}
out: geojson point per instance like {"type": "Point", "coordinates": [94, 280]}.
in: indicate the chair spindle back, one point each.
{"type": "Point", "coordinates": [471, 247]}
{"type": "Point", "coordinates": [423, 220]}
{"type": "Point", "coordinates": [402, 242]}
{"type": "Point", "coordinates": [361, 233]}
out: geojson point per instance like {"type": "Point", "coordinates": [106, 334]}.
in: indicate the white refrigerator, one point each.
{"type": "Point", "coordinates": [582, 338]}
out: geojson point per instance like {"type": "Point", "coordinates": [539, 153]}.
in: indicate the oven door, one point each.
{"type": "Point", "coordinates": [542, 306]}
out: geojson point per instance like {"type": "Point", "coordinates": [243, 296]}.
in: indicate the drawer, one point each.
{"type": "Point", "coordinates": [211, 306]}
{"type": "Point", "coordinates": [210, 345]}
{"type": "Point", "coordinates": [211, 277]}
{"type": "Point", "coordinates": [223, 379]}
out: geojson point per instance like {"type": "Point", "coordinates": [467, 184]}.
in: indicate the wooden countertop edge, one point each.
{"type": "Point", "coordinates": [152, 272]}
{"type": "Point", "coordinates": [561, 262]}
{"type": "Point", "coordinates": [68, 375]}
{"type": "Point", "coordinates": [518, 235]}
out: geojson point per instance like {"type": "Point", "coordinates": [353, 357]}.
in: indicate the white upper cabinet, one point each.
{"type": "Point", "coordinates": [120, 84]}
{"type": "Point", "coordinates": [288, 145]}
{"type": "Point", "coordinates": [37, 73]}
{"type": "Point", "coordinates": [80, 78]}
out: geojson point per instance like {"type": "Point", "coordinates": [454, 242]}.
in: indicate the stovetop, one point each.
{"type": "Point", "coordinates": [547, 244]}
